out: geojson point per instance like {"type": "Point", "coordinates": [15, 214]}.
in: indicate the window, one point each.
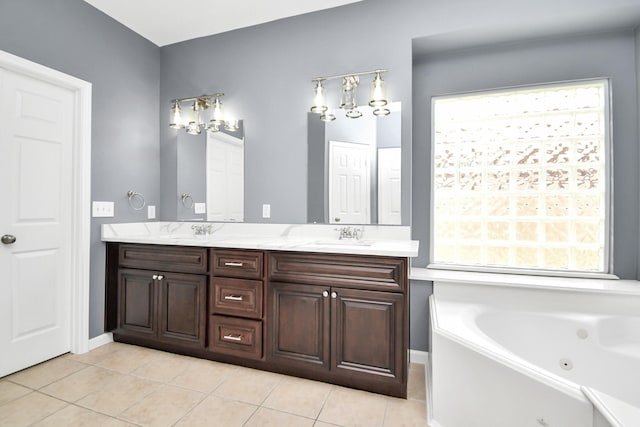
{"type": "Point", "coordinates": [521, 178]}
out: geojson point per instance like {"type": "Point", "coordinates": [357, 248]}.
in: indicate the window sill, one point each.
{"type": "Point", "coordinates": [601, 284]}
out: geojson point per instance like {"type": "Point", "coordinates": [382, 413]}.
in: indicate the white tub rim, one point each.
{"type": "Point", "coordinates": [626, 418]}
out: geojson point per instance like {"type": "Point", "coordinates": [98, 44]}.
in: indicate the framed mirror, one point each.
{"type": "Point", "coordinates": [210, 176]}
{"type": "Point", "coordinates": [354, 169]}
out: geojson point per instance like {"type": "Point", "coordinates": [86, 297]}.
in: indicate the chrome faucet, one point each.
{"type": "Point", "coordinates": [349, 232]}
{"type": "Point", "coordinates": [201, 230]}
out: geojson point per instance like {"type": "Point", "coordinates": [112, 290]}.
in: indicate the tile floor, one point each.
{"type": "Point", "coordinates": [125, 385]}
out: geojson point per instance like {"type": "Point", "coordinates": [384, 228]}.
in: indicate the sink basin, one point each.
{"type": "Point", "coordinates": [177, 237]}
{"type": "Point", "coordinates": [343, 242]}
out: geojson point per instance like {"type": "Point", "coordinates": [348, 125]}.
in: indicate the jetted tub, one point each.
{"type": "Point", "coordinates": [549, 353]}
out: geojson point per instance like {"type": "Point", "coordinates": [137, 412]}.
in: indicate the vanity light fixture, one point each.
{"type": "Point", "coordinates": [196, 117]}
{"type": "Point", "coordinates": [348, 90]}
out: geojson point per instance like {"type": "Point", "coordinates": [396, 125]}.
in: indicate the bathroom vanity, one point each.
{"type": "Point", "coordinates": [329, 311]}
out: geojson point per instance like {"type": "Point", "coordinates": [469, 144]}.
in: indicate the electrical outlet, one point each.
{"type": "Point", "coordinates": [102, 209]}
{"type": "Point", "coordinates": [266, 211]}
{"type": "Point", "coordinates": [199, 208]}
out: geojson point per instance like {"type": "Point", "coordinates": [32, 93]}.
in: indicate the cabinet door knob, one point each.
{"type": "Point", "coordinates": [325, 294]}
{"type": "Point", "coordinates": [160, 277]}
{"type": "Point", "coordinates": [154, 277]}
{"type": "Point", "coordinates": [8, 239]}
{"type": "Point", "coordinates": [334, 295]}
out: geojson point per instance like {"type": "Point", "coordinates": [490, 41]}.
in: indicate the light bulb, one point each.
{"type": "Point", "coordinates": [378, 98]}
{"type": "Point", "coordinates": [348, 92]}
{"type": "Point", "coordinates": [175, 121]}
{"type": "Point", "coordinates": [319, 103]}
{"type": "Point", "coordinates": [217, 116]}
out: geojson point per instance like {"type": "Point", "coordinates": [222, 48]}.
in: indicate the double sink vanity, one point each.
{"type": "Point", "coordinates": [293, 299]}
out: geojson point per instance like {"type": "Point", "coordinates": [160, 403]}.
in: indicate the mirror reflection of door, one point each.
{"type": "Point", "coordinates": [225, 177]}
{"type": "Point", "coordinates": [389, 186]}
{"type": "Point", "coordinates": [349, 184]}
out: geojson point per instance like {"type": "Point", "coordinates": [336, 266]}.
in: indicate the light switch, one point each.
{"type": "Point", "coordinates": [266, 211]}
{"type": "Point", "coordinates": [151, 212]}
{"type": "Point", "coordinates": [200, 208]}
{"type": "Point", "coordinates": [102, 209]}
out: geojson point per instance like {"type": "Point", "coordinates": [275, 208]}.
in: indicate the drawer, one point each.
{"type": "Point", "coordinates": [350, 271]}
{"type": "Point", "coordinates": [236, 297]}
{"type": "Point", "coordinates": [180, 259]}
{"type": "Point", "coordinates": [237, 337]}
{"type": "Point", "coordinates": [246, 264]}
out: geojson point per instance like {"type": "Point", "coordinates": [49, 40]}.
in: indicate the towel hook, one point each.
{"type": "Point", "coordinates": [136, 200]}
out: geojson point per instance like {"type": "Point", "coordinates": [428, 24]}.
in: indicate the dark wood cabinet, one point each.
{"type": "Point", "coordinates": [182, 309]}
{"type": "Point", "coordinates": [137, 303]}
{"type": "Point", "coordinates": [337, 318]}
{"type": "Point", "coordinates": [300, 318]}
{"type": "Point", "coordinates": [236, 303]}
{"type": "Point", "coordinates": [160, 305]}
{"type": "Point", "coordinates": [367, 331]}
{"type": "Point", "coordinates": [354, 333]}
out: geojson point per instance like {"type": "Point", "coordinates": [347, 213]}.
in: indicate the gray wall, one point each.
{"type": "Point", "coordinates": [77, 39]}
{"type": "Point", "coordinates": [601, 55]}
{"type": "Point", "coordinates": [419, 315]}
{"type": "Point", "coordinates": [265, 72]}
{"type": "Point", "coordinates": [191, 174]}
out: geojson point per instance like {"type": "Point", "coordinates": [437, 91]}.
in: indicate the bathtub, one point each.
{"type": "Point", "coordinates": [550, 353]}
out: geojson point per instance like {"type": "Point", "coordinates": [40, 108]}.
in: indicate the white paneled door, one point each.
{"type": "Point", "coordinates": [36, 166]}
{"type": "Point", "coordinates": [349, 183]}
{"type": "Point", "coordinates": [225, 178]}
{"type": "Point", "coordinates": [389, 186]}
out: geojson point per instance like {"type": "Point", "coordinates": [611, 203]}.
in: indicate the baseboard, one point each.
{"type": "Point", "coordinates": [417, 356]}
{"type": "Point", "coordinates": [100, 340]}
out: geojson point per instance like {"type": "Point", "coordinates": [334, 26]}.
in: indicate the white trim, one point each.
{"type": "Point", "coordinates": [81, 192]}
{"type": "Point", "coordinates": [100, 340]}
{"type": "Point", "coordinates": [418, 356]}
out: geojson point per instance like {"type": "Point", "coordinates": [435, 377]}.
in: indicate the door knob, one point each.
{"type": "Point", "coordinates": [8, 239]}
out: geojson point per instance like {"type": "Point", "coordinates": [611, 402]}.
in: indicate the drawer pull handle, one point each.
{"type": "Point", "coordinates": [232, 337]}
{"type": "Point", "coordinates": [233, 298]}
{"type": "Point", "coordinates": [233, 264]}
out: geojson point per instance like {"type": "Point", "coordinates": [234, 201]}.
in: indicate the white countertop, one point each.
{"type": "Point", "coordinates": [376, 240]}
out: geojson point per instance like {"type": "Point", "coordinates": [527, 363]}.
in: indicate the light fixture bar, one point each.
{"type": "Point", "coordinates": [341, 76]}
{"type": "Point", "coordinates": [195, 98]}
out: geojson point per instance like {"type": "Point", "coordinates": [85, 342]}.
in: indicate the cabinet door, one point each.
{"type": "Point", "coordinates": [182, 310]}
{"type": "Point", "coordinates": [368, 333]}
{"type": "Point", "coordinates": [298, 318]}
{"type": "Point", "coordinates": [137, 305]}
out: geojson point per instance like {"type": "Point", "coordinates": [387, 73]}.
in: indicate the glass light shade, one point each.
{"type": "Point", "coordinates": [348, 93]}
{"type": "Point", "coordinates": [175, 120]}
{"type": "Point", "coordinates": [381, 112]}
{"type": "Point", "coordinates": [193, 128]}
{"type": "Point", "coordinates": [217, 114]}
{"type": "Point", "coordinates": [328, 116]}
{"type": "Point", "coordinates": [378, 96]}
{"type": "Point", "coordinates": [319, 102]}
{"type": "Point", "coordinates": [232, 125]}
{"type": "Point", "coordinates": [212, 127]}
{"type": "Point", "coordinates": [354, 113]}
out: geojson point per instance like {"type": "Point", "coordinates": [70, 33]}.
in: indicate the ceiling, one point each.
{"type": "Point", "coordinates": [166, 22]}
